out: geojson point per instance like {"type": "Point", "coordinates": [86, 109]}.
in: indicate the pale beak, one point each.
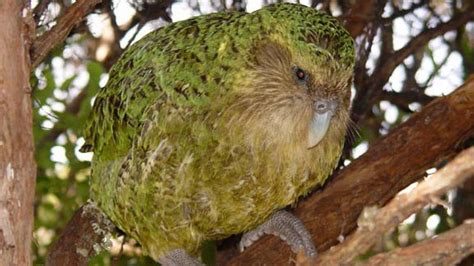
{"type": "Point", "coordinates": [323, 112]}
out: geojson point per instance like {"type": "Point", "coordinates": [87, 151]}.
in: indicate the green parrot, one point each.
{"type": "Point", "coordinates": [209, 127]}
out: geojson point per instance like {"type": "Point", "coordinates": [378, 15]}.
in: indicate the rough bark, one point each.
{"type": "Point", "coordinates": [17, 167]}
{"type": "Point", "coordinates": [81, 238]}
{"type": "Point", "coordinates": [392, 163]}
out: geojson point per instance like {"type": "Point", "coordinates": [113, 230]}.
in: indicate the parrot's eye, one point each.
{"type": "Point", "coordinates": [300, 74]}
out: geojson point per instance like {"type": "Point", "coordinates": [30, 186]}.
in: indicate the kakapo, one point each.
{"type": "Point", "coordinates": [209, 127]}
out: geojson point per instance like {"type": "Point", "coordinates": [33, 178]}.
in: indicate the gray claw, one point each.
{"type": "Point", "coordinates": [179, 257]}
{"type": "Point", "coordinates": [249, 238]}
{"type": "Point", "coordinates": [288, 228]}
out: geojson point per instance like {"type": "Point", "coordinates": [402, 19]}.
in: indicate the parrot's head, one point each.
{"type": "Point", "coordinates": [299, 84]}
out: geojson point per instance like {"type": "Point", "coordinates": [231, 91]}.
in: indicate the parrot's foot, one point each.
{"type": "Point", "coordinates": [178, 257]}
{"type": "Point", "coordinates": [288, 228]}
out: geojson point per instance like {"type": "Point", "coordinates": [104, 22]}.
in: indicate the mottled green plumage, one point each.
{"type": "Point", "coordinates": [191, 141]}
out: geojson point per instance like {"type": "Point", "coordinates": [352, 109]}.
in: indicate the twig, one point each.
{"type": "Point", "coordinates": [372, 228]}
{"type": "Point", "coordinates": [73, 16]}
{"type": "Point", "coordinates": [402, 12]}
{"type": "Point", "coordinates": [39, 10]}
{"type": "Point", "coordinates": [116, 258]}
{"type": "Point", "coordinates": [118, 33]}
{"type": "Point", "coordinates": [140, 25]}
{"type": "Point", "coordinates": [404, 98]}
{"type": "Point", "coordinates": [423, 38]}
{"type": "Point", "coordinates": [446, 249]}
{"type": "Point", "coordinates": [373, 88]}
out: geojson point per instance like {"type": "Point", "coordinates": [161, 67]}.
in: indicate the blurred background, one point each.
{"type": "Point", "coordinates": [65, 84]}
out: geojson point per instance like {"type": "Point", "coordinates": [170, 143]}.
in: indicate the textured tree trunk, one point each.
{"type": "Point", "coordinates": [17, 167]}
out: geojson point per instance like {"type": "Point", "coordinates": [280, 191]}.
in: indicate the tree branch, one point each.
{"type": "Point", "coordinates": [447, 249]}
{"type": "Point", "coordinates": [379, 222]}
{"type": "Point", "coordinates": [422, 39]}
{"type": "Point", "coordinates": [404, 98]}
{"type": "Point", "coordinates": [81, 237]}
{"type": "Point", "coordinates": [403, 12]}
{"type": "Point", "coordinates": [360, 14]}
{"type": "Point", "coordinates": [39, 10]}
{"type": "Point", "coordinates": [370, 93]}
{"type": "Point", "coordinates": [73, 16]}
{"type": "Point", "coordinates": [392, 163]}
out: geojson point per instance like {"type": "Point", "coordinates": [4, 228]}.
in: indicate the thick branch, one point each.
{"type": "Point", "coordinates": [447, 249]}
{"type": "Point", "coordinates": [383, 220]}
{"type": "Point", "coordinates": [82, 235]}
{"type": "Point", "coordinates": [390, 164]}
{"type": "Point", "coordinates": [73, 16]}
